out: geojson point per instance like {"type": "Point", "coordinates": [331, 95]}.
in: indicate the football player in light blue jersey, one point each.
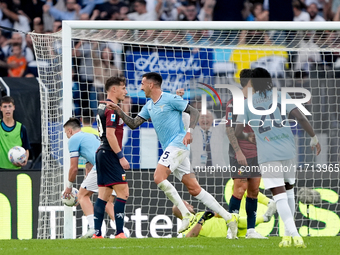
{"type": "Point", "coordinates": [276, 149]}
{"type": "Point", "coordinates": [165, 111]}
{"type": "Point", "coordinates": [84, 145]}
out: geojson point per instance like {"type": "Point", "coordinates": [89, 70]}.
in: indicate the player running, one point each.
{"type": "Point", "coordinates": [276, 149]}
{"type": "Point", "coordinates": [84, 145]}
{"type": "Point", "coordinates": [243, 153]}
{"type": "Point", "coordinates": [110, 161]}
{"type": "Point", "coordinates": [165, 111]}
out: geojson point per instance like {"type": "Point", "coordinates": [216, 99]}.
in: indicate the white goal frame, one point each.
{"type": "Point", "coordinates": [68, 26]}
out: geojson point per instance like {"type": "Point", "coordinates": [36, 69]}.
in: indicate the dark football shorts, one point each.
{"type": "Point", "coordinates": [239, 172]}
{"type": "Point", "coordinates": [109, 170]}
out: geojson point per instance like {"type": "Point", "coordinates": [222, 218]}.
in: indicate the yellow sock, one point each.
{"type": "Point", "coordinates": [259, 220]}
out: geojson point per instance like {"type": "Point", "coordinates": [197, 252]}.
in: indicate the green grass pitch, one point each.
{"type": "Point", "coordinates": [176, 246]}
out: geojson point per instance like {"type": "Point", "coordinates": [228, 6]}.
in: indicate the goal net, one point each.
{"type": "Point", "coordinates": [197, 57]}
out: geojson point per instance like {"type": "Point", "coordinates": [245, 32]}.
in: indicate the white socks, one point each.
{"type": "Point", "coordinates": [172, 194]}
{"type": "Point", "coordinates": [209, 201]}
{"type": "Point", "coordinates": [285, 213]}
{"type": "Point", "coordinates": [90, 220]}
{"type": "Point", "coordinates": [291, 200]}
{"type": "Point", "coordinates": [291, 203]}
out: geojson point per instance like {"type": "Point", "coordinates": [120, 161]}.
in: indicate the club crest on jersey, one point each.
{"type": "Point", "coordinates": [113, 117]}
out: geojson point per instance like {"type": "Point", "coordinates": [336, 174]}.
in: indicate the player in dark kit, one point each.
{"type": "Point", "coordinates": [110, 162]}
{"type": "Point", "coordinates": [244, 165]}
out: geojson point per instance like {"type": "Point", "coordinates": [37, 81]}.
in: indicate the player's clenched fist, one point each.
{"type": "Point", "coordinates": [187, 139]}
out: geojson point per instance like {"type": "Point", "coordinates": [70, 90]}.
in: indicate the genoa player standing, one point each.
{"type": "Point", "coordinates": [110, 161]}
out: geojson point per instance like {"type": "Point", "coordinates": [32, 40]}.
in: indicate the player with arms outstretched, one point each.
{"type": "Point", "coordinates": [84, 145]}
{"type": "Point", "coordinates": [165, 111]}
{"type": "Point", "coordinates": [110, 161]}
{"type": "Point", "coordinates": [276, 149]}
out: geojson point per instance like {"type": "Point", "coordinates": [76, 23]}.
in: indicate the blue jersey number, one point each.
{"type": "Point", "coordinates": [166, 154]}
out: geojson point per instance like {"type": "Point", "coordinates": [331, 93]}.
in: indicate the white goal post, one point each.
{"type": "Point", "coordinates": [293, 40]}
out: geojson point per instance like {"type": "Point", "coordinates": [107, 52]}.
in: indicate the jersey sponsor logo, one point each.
{"type": "Point", "coordinates": [266, 138]}
{"type": "Point", "coordinates": [230, 115]}
{"type": "Point", "coordinates": [113, 117]}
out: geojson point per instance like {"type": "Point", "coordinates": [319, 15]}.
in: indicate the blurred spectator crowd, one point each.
{"type": "Point", "coordinates": [45, 16]}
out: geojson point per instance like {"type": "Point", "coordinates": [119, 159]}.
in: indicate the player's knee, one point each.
{"type": "Point", "coordinates": [82, 197]}
{"type": "Point", "coordinates": [239, 192]}
{"type": "Point", "coordinates": [158, 179]}
{"type": "Point", "coordinates": [252, 192]}
{"type": "Point", "coordinates": [194, 191]}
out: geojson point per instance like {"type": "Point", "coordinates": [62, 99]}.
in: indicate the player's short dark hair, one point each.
{"type": "Point", "coordinates": [261, 81]}
{"type": "Point", "coordinates": [73, 123]}
{"type": "Point", "coordinates": [245, 76]}
{"type": "Point", "coordinates": [16, 45]}
{"type": "Point", "coordinates": [114, 81]}
{"type": "Point", "coordinates": [156, 77]}
{"type": "Point", "coordinates": [6, 100]}
{"type": "Point", "coordinates": [141, 2]}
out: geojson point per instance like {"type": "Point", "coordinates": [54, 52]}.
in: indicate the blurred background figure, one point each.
{"type": "Point", "coordinates": [210, 143]}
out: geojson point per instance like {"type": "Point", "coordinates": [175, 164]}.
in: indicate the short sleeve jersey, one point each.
{"type": "Point", "coordinates": [109, 119]}
{"type": "Point", "coordinates": [84, 145]}
{"type": "Point", "coordinates": [214, 227]}
{"type": "Point", "coordinates": [274, 139]}
{"type": "Point", "coordinates": [248, 149]}
{"type": "Point", "coordinates": [166, 116]}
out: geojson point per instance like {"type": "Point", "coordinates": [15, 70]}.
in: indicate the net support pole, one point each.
{"type": "Point", "coordinates": [67, 113]}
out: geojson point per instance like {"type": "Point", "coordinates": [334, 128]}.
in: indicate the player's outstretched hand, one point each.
{"type": "Point", "coordinates": [124, 163]}
{"type": "Point", "coordinates": [241, 159]}
{"type": "Point", "coordinates": [67, 192]}
{"type": "Point", "coordinates": [187, 139]}
{"type": "Point", "coordinates": [318, 148]}
{"type": "Point", "coordinates": [110, 105]}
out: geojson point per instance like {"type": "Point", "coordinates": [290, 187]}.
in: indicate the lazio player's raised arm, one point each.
{"type": "Point", "coordinates": [131, 122]}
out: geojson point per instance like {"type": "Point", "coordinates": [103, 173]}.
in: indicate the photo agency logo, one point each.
{"type": "Point", "coordinates": [262, 113]}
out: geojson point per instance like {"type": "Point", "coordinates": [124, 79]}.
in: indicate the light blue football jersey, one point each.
{"type": "Point", "coordinates": [84, 145]}
{"type": "Point", "coordinates": [274, 141]}
{"type": "Point", "coordinates": [166, 116]}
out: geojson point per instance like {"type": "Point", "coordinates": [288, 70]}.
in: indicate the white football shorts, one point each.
{"type": "Point", "coordinates": [90, 182]}
{"type": "Point", "coordinates": [277, 173]}
{"type": "Point", "coordinates": [177, 160]}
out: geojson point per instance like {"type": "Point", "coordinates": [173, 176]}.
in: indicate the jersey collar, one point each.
{"type": "Point", "coordinates": [158, 98]}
